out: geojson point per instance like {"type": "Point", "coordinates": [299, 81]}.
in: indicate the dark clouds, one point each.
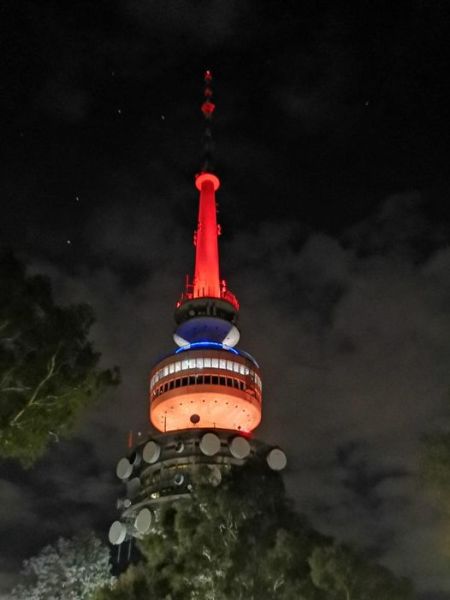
{"type": "Point", "coordinates": [354, 351]}
{"type": "Point", "coordinates": [211, 22]}
{"type": "Point", "coordinates": [332, 152]}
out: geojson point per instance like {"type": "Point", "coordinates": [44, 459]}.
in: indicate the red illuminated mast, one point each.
{"type": "Point", "coordinates": [207, 282]}
{"type": "Point", "coordinates": [206, 278]}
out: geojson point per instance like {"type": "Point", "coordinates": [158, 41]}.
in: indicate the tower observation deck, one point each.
{"type": "Point", "coordinates": [205, 397]}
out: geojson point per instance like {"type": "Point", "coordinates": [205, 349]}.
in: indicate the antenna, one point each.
{"type": "Point", "coordinates": [207, 109]}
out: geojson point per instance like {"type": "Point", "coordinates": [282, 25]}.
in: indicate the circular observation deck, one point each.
{"type": "Point", "coordinates": [205, 388]}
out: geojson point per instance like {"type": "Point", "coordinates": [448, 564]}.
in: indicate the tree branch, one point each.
{"type": "Point", "coordinates": [31, 401]}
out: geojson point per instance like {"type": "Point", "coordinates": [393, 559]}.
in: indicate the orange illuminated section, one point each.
{"type": "Point", "coordinates": [205, 389]}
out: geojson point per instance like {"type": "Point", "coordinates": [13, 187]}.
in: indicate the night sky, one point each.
{"type": "Point", "coordinates": [332, 144]}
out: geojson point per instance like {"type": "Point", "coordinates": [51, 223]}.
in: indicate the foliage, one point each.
{"type": "Point", "coordinates": [48, 368]}
{"type": "Point", "coordinates": [345, 575]}
{"type": "Point", "coordinates": [241, 540]}
{"type": "Point", "coordinates": [70, 570]}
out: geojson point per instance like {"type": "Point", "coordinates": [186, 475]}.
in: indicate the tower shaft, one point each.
{"type": "Point", "coordinates": [207, 277]}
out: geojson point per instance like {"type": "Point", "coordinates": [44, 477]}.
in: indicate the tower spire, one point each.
{"type": "Point", "coordinates": [207, 108]}
{"type": "Point", "coordinates": [207, 278]}
{"type": "Point", "coordinates": [207, 283]}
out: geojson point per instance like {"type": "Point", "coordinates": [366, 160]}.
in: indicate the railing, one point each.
{"type": "Point", "coordinates": [190, 294]}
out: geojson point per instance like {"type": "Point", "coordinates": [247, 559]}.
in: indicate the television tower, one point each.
{"type": "Point", "coordinates": [205, 397]}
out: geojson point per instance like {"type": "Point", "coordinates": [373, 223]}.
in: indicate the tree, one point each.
{"type": "Point", "coordinates": [241, 540]}
{"type": "Point", "coordinates": [345, 575]}
{"type": "Point", "coordinates": [72, 569]}
{"type": "Point", "coordinates": [48, 367]}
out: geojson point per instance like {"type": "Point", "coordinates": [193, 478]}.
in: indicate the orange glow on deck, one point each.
{"type": "Point", "coordinates": [205, 388]}
{"type": "Point", "coordinates": [215, 409]}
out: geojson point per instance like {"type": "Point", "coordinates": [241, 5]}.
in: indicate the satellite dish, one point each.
{"type": "Point", "coordinates": [232, 337]}
{"type": "Point", "coordinates": [239, 447]}
{"type": "Point", "coordinates": [143, 521]}
{"type": "Point", "coordinates": [215, 476]}
{"type": "Point", "coordinates": [135, 458]}
{"type": "Point", "coordinates": [133, 487]}
{"type": "Point", "coordinates": [117, 533]}
{"type": "Point", "coordinates": [276, 459]}
{"type": "Point", "coordinates": [178, 479]}
{"type": "Point", "coordinates": [151, 452]}
{"type": "Point", "coordinates": [124, 468]}
{"type": "Point", "coordinates": [210, 444]}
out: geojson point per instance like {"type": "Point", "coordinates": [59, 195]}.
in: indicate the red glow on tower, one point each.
{"type": "Point", "coordinates": [206, 279]}
{"type": "Point", "coordinates": [207, 282]}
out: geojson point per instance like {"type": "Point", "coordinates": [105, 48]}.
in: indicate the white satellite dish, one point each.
{"type": "Point", "coordinates": [276, 459]}
{"type": "Point", "coordinates": [117, 533]}
{"type": "Point", "coordinates": [143, 521]}
{"type": "Point", "coordinates": [133, 487]}
{"type": "Point", "coordinates": [210, 444]}
{"type": "Point", "coordinates": [239, 447]}
{"type": "Point", "coordinates": [124, 468]}
{"type": "Point", "coordinates": [151, 452]}
{"type": "Point", "coordinates": [178, 479]}
{"type": "Point", "coordinates": [135, 458]}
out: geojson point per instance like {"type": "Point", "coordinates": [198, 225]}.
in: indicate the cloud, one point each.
{"type": "Point", "coordinates": [209, 21]}
{"type": "Point", "coordinates": [352, 336]}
